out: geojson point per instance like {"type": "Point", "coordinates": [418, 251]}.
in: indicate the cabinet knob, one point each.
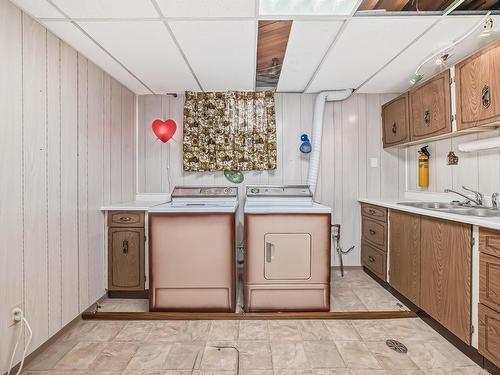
{"type": "Point", "coordinates": [486, 96]}
{"type": "Point", "coordinates": [371, 211]}
{"type": "Point", "coordinates": [394, 128]}
{"type": "Point", "coordinates": [125, 218]}
{"type": "Point", "coordinates": [372, 232]}
{"type": "Point", "coordinates": [371, 259]}
{"type": "Point", "coordinates": [125, 247]}
{"type": "Point", "coordinates": [427, 117]}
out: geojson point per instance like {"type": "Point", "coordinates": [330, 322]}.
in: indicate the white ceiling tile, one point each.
{"type": "Point", "coordinates": [204, 8]}
{"type": "Point", "coordinates": [395, 76]}
{"type": "Point", "coordinates": [307, 45]}
{"type": "Point", "coordinates": [147, 49]}
{"type": "Point", "coordinates": [307, 7]}
{"type": "Point", "coordinates": [107, 8]}
{"type": "Point", "coordinates": [366, 44]}
{"type": "Point", "coordinates": [79, 41]}
{"type": "Point", "coordinates": [38, 8]}
{"type": "Point", "coordinates": [221, 53]}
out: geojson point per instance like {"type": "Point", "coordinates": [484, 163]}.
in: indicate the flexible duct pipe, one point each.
{"type": "Point", "coordinates": [317, 130]}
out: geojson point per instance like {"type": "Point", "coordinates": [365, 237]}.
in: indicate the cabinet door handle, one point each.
{"type": "Point", "coordinates": [371, 259]}
{"type": "Point", "coordinates": [268, 252]}
{"type": "Point", "coordinates": [394, 128]}
{"type": "Point", "coordinates": [427, 117]}
{"type": "Point", "coordinates": [372, 232]}
{"type": "Point", "coordinates": [125, 218]}
{"type": "Point", "coordinates": [371, 211]}
{"type": "Point", "coordinates": [125, 247]}
{"type": "Point", "coordinates": [486, 96]}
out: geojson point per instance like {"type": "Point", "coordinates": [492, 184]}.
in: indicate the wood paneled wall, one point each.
{"type": "Point", "coordinates": [67, 143]}
{"type": "Point", "coordinates": [351, 138]}
{"type": "Point", "coordinates": [476, 170]}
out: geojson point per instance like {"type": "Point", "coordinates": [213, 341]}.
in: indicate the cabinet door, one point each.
{"type": "Point", "coordinates": [430, 108]}
{"type": "Point", "coordinates": [478, 88]}
{"type": "Point", "coordinates": [395, 120]}
{"type": "Point", "coordinates": [126, 259]}
{"type": "Point", "coordinates": [489, 334]}
{"type": "Point", "coordinates": [489, 281]}
{"type": "Point", "coordinates": [404, 254]}
{"type": "Point", "coordinates": [287, 256]}
{"type": "Point", "coordinates": [373, 259]}
{"type": "Point", "coordinates": [445, 289]}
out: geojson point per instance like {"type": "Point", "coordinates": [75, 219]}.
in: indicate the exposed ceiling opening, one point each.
{"type": "Point", "coordinates": [427, 5]}
{"type": "Point", "coordinates": [271, 48]}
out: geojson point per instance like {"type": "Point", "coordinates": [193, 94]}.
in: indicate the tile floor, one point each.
{"type": "Point", "coordinates": [275, 347]}
{"type": "Point", "coordinates": [356, 291]}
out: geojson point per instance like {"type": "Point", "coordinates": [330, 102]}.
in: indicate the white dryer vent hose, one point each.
{"type": "Point", "coordinates": [317, 130]}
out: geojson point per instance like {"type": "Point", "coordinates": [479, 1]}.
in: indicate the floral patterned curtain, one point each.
{"type": "Point", "coordinates": [229, 131]}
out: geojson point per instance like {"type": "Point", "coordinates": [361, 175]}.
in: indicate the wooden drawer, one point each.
{"type": "Point", "coordinates": [489, 334]}
{"type": "Point", "coordinates": [134, 219]}
{"type": "Point", "coordinates": [489, 241]}
{"type": "Point", "coordinates": [374, 212]}
{"type": "Point", "coordinates": [373, 259]}
{"type": "Point", "coordinates": [489, 281]}
{"type": "Point", "coordinates": [375, 232]}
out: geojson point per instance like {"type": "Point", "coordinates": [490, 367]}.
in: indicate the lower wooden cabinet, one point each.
{"type": "Point", "coordinates": [445, 288]}
{"type": "Point", "coordinates": [404, 260]}
{"type": "Point", "coordinates": [126, 259]}
{"type": "Point", "coordinates": [373, 259]}
{"type": "Point", "coordinates": [489, 334]}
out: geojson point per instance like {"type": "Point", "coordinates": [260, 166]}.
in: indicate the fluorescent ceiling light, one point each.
{"type": "Point", "coordinates": [307, 7]}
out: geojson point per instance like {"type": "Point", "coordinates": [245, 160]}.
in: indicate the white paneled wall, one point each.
{"type": "Point", "coordinates": [59, 155]}
{"type": "Point", "coordinates": [351, 137]}
{"type": "Point", "coordinates": [476, 170]}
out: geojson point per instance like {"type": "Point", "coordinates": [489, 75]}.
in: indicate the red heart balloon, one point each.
{"type": "Point", "coordinates": [164, 130]}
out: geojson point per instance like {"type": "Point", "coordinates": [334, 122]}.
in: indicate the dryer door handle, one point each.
{"type": "Point", "coordinates": [269, 248]}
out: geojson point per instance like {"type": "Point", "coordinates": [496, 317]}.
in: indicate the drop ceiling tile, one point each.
{"type": "Point", "coordinates": [147, 49]}
{"type": "Point", "coordinates": [395, 76]}
{"type": "Point", "coordinates": [107, 8]}
{"type": "Point", "coordinates": [307, 45]}
{"type": "Point", "coordinates": [307, 7]}
{"type": "Point", "coordinates": [204, 8]}
{"type": "Point", "coordinates": [221, 53]}
{"type": "Point", "coordinates": [38, 8]}
{"type": "Point", "coordinates": [366, 44]}
{"type": "Point", "coordinates": [84, 45]}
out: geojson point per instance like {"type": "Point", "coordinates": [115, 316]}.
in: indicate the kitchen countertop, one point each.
{"type": "Point", "coordinates": [486, 222]}
{"type": "Point", "coordinates": [131, 206]}
{"type": "Point", "coordinates": [315, 208]}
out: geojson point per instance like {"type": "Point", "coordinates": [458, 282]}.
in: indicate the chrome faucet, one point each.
{"type": "Point", "coordinates": [478, 196]}
{"type": "Point", "coordinates": [495, 201]}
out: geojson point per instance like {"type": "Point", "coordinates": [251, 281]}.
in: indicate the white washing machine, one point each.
{"type": "Point", "coordinates": [287, 250]}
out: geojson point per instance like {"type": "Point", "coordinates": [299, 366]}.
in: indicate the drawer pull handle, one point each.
{"type": "Point", "coordinates": [427, 118]}
{"type": "Point", "coordinates": [268, 252]}
{"type": "Point", "coordinates": [394, 128]}
{"type": "Point", "coordinates": [125, 218]}
{"type": "Point", "coordinates": [125, 247]}
{"type": "Point", "coordinates": [371, 211]}
{"type": "Point", "coordinates": [371, 259]}
{"type": "Point", "coordinates": [486, 96]}
{"type": "Point", "coordinates": [372, 232]}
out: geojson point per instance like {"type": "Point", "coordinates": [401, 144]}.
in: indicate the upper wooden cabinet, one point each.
{"type": "Point", "coordinates": [430, 108]}
{"type": "Point", "coordinates": [395, 121]}
{"type": "Point", "coordinates": [478, 88]}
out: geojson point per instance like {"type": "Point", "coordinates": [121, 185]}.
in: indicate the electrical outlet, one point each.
{"type": "Point", "coordinates": [10, 314]}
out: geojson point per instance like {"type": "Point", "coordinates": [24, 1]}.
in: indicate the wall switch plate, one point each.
{"type": "Point", "coordinates": [10, 315]}
{"type": "Point", "coordinates": [373, 162]}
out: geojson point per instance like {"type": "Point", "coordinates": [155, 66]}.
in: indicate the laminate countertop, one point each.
{"type": "Point", "coordinates": [131, 206]}
{"type": "Point", "coordinates": [486, 222]}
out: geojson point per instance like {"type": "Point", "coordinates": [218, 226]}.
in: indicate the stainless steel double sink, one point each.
{"type": "Point", "coordinates": [454, 208]}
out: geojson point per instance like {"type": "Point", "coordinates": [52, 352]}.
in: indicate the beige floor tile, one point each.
{"type": "Point", "coordinates": [150, 356]}
{"type": "Point", "coordinates": [314, 330]}
{"type": "Point", "coordinates": [255, 355]}
{"type": "Point", "coordinates": [281, 330]}
{"type": "Point", "coordinates": [371, 330]}
{"type": "Point", "coordinates": [47, 359]}
{"type": "Point", "coordinates": [285, 371]}
{"type": "Point", "coordinates": [408, 330]}
{"type": "Point", "coordinates": [80, 357]}
{"type": "Point", "coordinates": [141, 372]}
{"type": "Point", "coordinates": [184, 356]}
{"type": "Point", "coordinates": [219, 359]}
{"type": "Point", "coordinates": [342, 330]}
{"type": "Point", "coordinates": [344, 299]}
{"type": "Point", "coordinates": [338, 371]}
{"type": "Point", "coordinates": [253, 330]}
{"type": "Point", "coordinates": [171, 331]}
{"type": "Point", "coordinates": [356, 355]}
{"type": "Point", "coordinates": [115, 356]}
{"type": "Point", "coordinates": [377, 299]}
{"type": "Point", "coordinates": [390, 359]}
{"type": "Point", "coordinates": [323, 354]}
{"type": "Point", "coordinates": [198, 330]}
{"type": "Point", "coordinates": [77, 330]}
{"type": "Point", "coordinates": [289, 355]}
{"type": "Point", "coordinates": [224, 330]}
{"type": "Point", "coordinates": [256, 372]}
{"type": "Point", "coordinates": [454, 355]}
{"type": "Point", "coordinates": [426, 356]}
{"type": "Point", "coordinates": [135, 331]}
{"type": "Point", "coordinates": [104, 331]}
